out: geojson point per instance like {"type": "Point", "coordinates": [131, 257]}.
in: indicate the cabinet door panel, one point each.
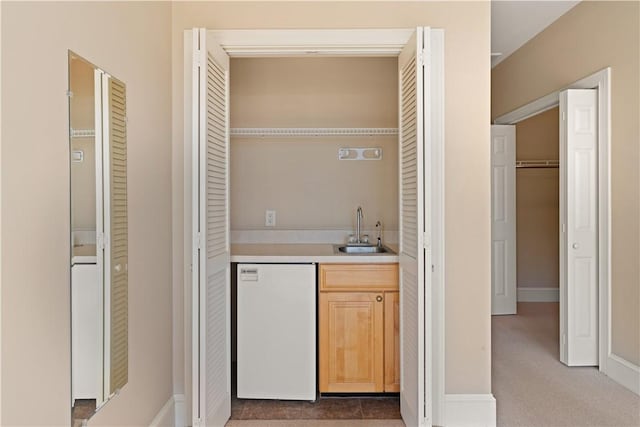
{"type": "Point", "coordinates": [358, 277]}
{"type": "Point", "coordinates": [391, 342]}
{"type": "Point", "coordinates": [351, 342]}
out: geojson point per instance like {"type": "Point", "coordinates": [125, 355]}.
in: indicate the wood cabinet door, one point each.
{"type": "Point", "coordinates": [391, 342]}
{"type": "Point", "coordinates": [351, 342]}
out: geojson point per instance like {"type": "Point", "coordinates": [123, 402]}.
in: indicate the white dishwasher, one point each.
{"type": "Point", "coordinates": [276, 331]}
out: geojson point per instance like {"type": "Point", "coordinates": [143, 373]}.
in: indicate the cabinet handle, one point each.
{"type": "Point", "coordinates": [379, 298]}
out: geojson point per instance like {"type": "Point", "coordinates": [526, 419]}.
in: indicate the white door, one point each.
{"type": "Point", "coordinates": [503, 219]}
{"type": "Point", "coordinates": [579, 227]}
{"type": "Point", "coordinates": [413, 119]}
{"type": "Point", "coordinates": [211, 335]}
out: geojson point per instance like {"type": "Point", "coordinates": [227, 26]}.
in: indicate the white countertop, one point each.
{"type": "Point", "coordinates": [303, 253]}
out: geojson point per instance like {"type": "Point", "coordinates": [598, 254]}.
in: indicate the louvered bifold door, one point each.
{"type": "Point", "coordinates": [412, 228]}
{"type": "Point", "coordinates": [116, 230]}
{"type": "Point", "coordinates": [214, 282]}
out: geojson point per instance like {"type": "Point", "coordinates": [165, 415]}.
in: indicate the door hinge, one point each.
{"type": "Point", "coordinates": [564, 116]}
{"type": "Point", "coordinates": [198, 240]}
{"type": "Point", "coordinates": [70, 94]}
{"type": "Point", "coordinates": [427, 241]}
{"type": "Point", "coordinates": [564, 228]}
{"type": "Point", "coordinates": [100, 241]}
{"type": "Point", "coordinates": [199, 57]}
{"type": "Point", "coordinates": [424, 58]}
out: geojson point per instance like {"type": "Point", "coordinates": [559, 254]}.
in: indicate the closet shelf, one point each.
{"type": "Point", "coordinates": [267, 132]}
{"type": "Point", "coordinates": [82, 133]}
{"type": "Point", "coordinates": [537, 164]}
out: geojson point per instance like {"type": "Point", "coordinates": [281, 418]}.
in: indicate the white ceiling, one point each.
{"type": "Point", "coordinates": [513, 23]}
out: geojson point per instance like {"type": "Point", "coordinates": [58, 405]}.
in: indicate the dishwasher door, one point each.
{"type": "Point", "coordinates": [276, 331]}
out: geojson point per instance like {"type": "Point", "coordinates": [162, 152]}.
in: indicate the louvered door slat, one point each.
{"type": "Point", "coordinates": [411, 134]}
{"type": "Point", "coordinates": [213, 383]}
{"type": "Point", "coordinates": [119, 333]}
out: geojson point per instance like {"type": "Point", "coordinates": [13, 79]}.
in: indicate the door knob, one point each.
{"type": "Point", "coordinates": [379, 298]}
{"type": "Point", "coordinates": [575, 246]}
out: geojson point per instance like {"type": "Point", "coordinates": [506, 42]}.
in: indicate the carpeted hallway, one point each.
{"type": "Point", "coordinates": [534, 389]}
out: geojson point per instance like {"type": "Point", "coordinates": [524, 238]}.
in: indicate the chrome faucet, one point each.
{"type": "Point", "coordinates": [359, 216]}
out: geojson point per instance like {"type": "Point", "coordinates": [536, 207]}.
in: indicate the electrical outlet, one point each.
{"type": "Point", "coordinates": [270, 218]}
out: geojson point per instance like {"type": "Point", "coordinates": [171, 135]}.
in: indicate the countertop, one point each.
{"type": "Point", "coordinates": [304, 253]}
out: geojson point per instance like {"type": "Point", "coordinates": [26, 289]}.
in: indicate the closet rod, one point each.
{"type": "Point", "coordinates": [539, 164]}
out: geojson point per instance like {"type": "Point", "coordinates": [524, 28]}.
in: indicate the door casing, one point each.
{"type": "Point", "coordinates": [601, 81]}
{"type": "Point", "coordinates": [346, 42]}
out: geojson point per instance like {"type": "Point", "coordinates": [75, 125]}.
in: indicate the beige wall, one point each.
{"type": "Point", "coordinates": [83, 186]}
{"type": "Point", "coordinates": [132, 41]}
{"type": "Point", "coordinates": [590, 37]}
{"type": "Point", "coordinates": [537, 202]}
{"type": "Point", "coordinates": [467, 87]}
{"type": "Point", "coordinates": [302, 178]}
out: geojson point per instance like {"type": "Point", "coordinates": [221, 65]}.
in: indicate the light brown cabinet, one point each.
{"type": "Point", "coordinates": [358, 328]}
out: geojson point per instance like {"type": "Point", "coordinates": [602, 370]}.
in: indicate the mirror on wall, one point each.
{"type": "Point", "coordinates": [99, 237]}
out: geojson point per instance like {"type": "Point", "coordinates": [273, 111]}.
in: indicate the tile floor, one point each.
{"type": "Point", "coordinates": [83, 409]}
{"type": "Point", "coordinates": [325, 408]}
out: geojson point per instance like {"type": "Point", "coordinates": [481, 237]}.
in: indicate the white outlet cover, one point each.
{"type": "Point", "coordinates": [270, 218]}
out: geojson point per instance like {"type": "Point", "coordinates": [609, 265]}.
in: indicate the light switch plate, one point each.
{"type": "Point", "coordinates": [270, 218]}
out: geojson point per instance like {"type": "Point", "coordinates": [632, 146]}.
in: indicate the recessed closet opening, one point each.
{"type": "Point", "coordinates": [302, 178]}
{"type": "Point", "coordinates": [537, 208]}
{"type": "Point", "coordinates": [291, 158]}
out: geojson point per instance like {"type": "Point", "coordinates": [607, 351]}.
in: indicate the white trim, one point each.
{"type": "Point", "coordinates": [546, 294]}
{"type": "Point", "coordinates": [623, 372]}
{"type": "Point", "coordinates": [597, 80]}
{"type": "Point", "coordinates": [534, 108]}
{"type": "Point", "coordinates": [477, 410]}
{"type": "Point", "coordinates": [188, 253]}
{"type": "Point", "coordinates": [167, 414]}
{"type": "Point", "coordinates": [191, 49]}
{"type": "Point", "coordinates": [180, 410]}
{"type": "Point", "coordinates": [600, 80]}
{"type": "Point", "coordinates": [437, 167]}
{"type": "Point", "coordinates": [351, 42]}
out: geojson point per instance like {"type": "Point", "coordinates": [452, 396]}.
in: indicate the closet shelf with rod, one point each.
{"type": "Point", "coordinates": [551, 164]}
{"type": "Point", "coordinates": [280, 132]}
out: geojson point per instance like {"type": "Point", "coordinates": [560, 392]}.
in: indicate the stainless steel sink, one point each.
{"type": "Point", "coordinates": [363, 249]}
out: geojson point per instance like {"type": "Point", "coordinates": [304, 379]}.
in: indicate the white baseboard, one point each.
{"type": "Point", "coordinates": [477, 410]}
{"type": "Point", "coordinates": [180, 410]}
{"type": "Point", "coordinates": [623, 372]}
{"type": "Point", "coordinates": [171, 414]}
{"type": "Point", "coordinates": [538, 294]}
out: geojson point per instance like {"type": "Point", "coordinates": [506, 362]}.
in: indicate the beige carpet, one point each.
{"type": "Point", "coordinates": [534, 389]}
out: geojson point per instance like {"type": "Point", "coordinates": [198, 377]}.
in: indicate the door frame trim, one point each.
{"type": "Point", "coordinates": [601, 81]}
{"type": "Point", "coordinates": [353, 42]}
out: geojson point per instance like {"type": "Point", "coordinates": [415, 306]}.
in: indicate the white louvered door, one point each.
{"type": "Point", "coordinates": [413, 183]}
{"type": "Point", "coordinates": [211, 145]}
{"type": "Point", "coordinates": [115, 240]}
{"type": "Point", "coordinates": [503, 219]}
{"type": "Point", "coordinates": [579, 227]}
